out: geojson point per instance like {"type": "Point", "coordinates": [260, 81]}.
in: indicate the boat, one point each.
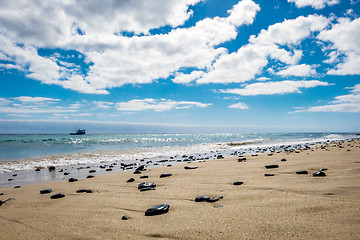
{"type": "Point", "coordinates": [79, 132]}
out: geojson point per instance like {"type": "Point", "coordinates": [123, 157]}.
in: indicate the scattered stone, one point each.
{"type": "Point", "coordinates": [14, 175]}
{"type": "Point", "coordinates": [238, 183]}
{"type": "Point", "coordinates": [146, 185]}
{"type": "Point", "coordinates": [269, 175]}
{"type": "Point", "coordinates": [10, 179]}
{"type": "Point", "coordinates": [90, 176]}
{"type": "Point", "coordinates": [169, 165]}
{"type": "Point", "coordinates": [242, 159]}
{"type": "Point", "coordinates": [202, 198]}
{"type": "Point", "coordinates": [215, 198]}
{"type": "Point", "coordinates": [145, 176]}
{"type": "Point", "coordinates": [84, 191]}
{"type": "Point", "coordinates": [17, 187]}
{"type": "Point", "coordinates": [1, 194]}
{"type": "Point", "coordinates": [46, 191]}
{"type": "Point", "coordinates": [271, 166]}
{"type": "Point", "coordinates": [37, 169]}
{"type": "Point", "coordinates": [319, 174]}
{"type": "Point", "coordinates": [137, 172]}
{"type": "Point", "coordinates": [109, 169]}
{"type": "Point", "coordinates": [283, 160]}
{"type": "Point", "coordinates": [302, 172]}
{"type": "Point", "coordinates": [66, 173]}
{"type": "Point", "coordinates": [190, 167]}
{"type": "Point", "coordinates": [125, 217]}
{"type": "Point", "coordinates": [140, 168]}
{"type": "Point", "coordinates": [131, 180]}
{"type": "Point", "coordinates": [322, 169]}
{"type": "Point", "coordinates": [58, 195]}
{"type": "Point", "coordinates": [51, 168]}
{"type": "Point", "coordinates": [72, 180]}
{"type": "Point", "coordinates": [165, 175]}
{"type": "Point", "coordinates": [92, 171]}
{"type": "Point", "coordinates": [160, 209]}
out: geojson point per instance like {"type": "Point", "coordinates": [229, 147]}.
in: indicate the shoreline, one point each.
{"type": "Point", "coordinates": [287, 205]}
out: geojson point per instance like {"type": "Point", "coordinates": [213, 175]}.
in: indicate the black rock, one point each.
{"type": "Point", "coordinates": [1, 194]}
{"type": "Point", "coordinates": [92, 171]}
{"type": "Point", "coordinates": [165, 175]}
{"type": "Point", "coordinates": [125, 218]}
{"type": "Point", "coordinates": [202, 198]}
{"type": "Point", "coordinates": [17, 187]}
{"type": "Point", "coordinates": [51, 168]}
{"type": "Point", "coordinates": [84, 191]}
{"type": "Point", "coordinates": [322, 169]}
{"type": "Point", "coordinates": [58, 195]}
{"type": "Point", "coordinates": [269, 174]}
{"type": "Point", "coordinates": [242, 159]}
{"type": "Point", "coordinates": [140, 168]}
{"type": "Point", "coordinates": [271, 166]}
{"type": "Point", "coordinates": [66, 173]}
{"type": "Point", "coordinates": [238, 183]}
{"type": "Point", "coordinates": [190, 167]}
{"type": "Point", "coordinates": [319, 174]}
{"type": "Point", "coordinates": [137, 172]}
{"type": "Point", "coordinates": [215, 198]}
{"type": "Point", "coordinates": [14, 175]}
{"type": "Point", "coordinates": [46, 191]}
{"type": "Point", "coordinates": [10, 179]}
{"type": "Point", "coordinates": [131, 180]}
{"type": "Point", "coordinates": [90, 176]}
{"type": "Point", "coordinates": [72, 180]}
{"type": "Point", "coordinates": [145, 176]}
{"type": "Point", "coordinates": [160, 209]}
{"type": "Point", "coordinates": [283, 160]}
{"type": "Point", "coordinates": [147, 189]}
{"type": "Point", "coordinates": [37, 169]}
{"type": "Point", "coordinates": [302, 172]}
{"type": "Point", "coordinates": [109, 169]}
{"type": "Point", "coordinates": [146, 184]}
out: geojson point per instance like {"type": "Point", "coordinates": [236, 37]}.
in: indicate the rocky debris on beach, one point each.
{"type": "Point", "coordinates": [208, 199]}
{"type": "Point", "coordinates": [90, 176]}
{"type": "Point", "coordinates": [92, 171]}
{"type": "Point", "coordinates": [319, 174]}
{"type": "Point", "coordinates": [283, 160]}
{"type": "Point", "coordinates": [66, 173]}
{"type": "Point", "coordinates": [190, 167]}
{"type": "Point", "coordinates": [131, 180]}
{"type": "Point", "coordinates": [144, 176]}
{"type": "Point", "coordinates": [302, 172]}
{"type": "Point", "coordinates": [58, 195]}
{"type": "Point", "coordinates": [269, 174]}
{"type": "Point", "coordinates": [271, 166]}
{"type": "Point", "coordinates": [165, 175]}
{"type": "Point", "coordinates": [215, 198]}
{"type": "Point", "coordinates": [159, 209]}
{"type": "Point", "coordinates": [146, 185]}
{"type": "Point", "coordinates": [72, 180]}
{"type": "Point", "coordinates": [84, 191]}
{"type": "Point", "coordinates": [243, 159]}
{"type": "Point", "coordinates": [46, 191]}
{"type": "Point", "coordinates": [51, 169]}
{"type": "Point", "coordinates": [2, 202]}
{"type": "Point", "coordinates": [17, 186]}
{"type": "Point", "coordinates": [124, 217]}
{"type": "Point", "coordinates": [238, 183]}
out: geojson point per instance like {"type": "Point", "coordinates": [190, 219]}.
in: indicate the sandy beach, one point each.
{"type": "Point", "coordinates": [284, 206]}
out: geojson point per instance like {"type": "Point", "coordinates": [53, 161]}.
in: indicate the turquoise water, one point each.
{"type": "Point", "coordinates": [24, 152]}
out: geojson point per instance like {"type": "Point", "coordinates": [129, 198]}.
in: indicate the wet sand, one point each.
{"type": "Point", "coordinates": [284, 206]}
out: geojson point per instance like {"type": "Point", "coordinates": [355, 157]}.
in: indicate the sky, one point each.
{"type": "Point", "coordinates": [179, 66]}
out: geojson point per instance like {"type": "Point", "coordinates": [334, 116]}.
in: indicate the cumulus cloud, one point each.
{"type": "Point", "coordinates": [317, 4]}
{"type": "Point", "coordinates": [272, 88]}
{"type": "Point", "coordinates": [302, 70]}
{"type": "Point", "coordinates": [344, 103]}
{"type": "Point", "coordinates": [239, 105]}
{"type": "Point", "coordinates": [344, 38]}
{"type": "Point", "coordinates": [26, 99]}
{"type": "Point", "coordinates": [157, 105]}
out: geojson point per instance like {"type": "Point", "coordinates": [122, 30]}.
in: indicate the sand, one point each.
{"type": "Point", "coordinates": [285, 206]}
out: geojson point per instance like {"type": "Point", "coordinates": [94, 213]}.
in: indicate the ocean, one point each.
{"type": "Point", "coordinates": [21, 154]}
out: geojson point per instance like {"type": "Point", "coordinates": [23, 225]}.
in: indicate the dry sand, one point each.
{"type": "Point", "coordinates": [285, 206]}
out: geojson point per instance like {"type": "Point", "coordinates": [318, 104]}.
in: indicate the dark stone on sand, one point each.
{"type": "Point", "coordinates": [17, 187]}
{"type": "Point", "coordinates": [140, 168]}
{"type": "Point", "coordinates": [10, 179]}
{"type": "Point", "coordinates": [242, 159]}
{"type": "Point", "coordinates": [46, 191]}
{"type": "Point", "coordinates": [169, 165]}
{"type": "Point", "coordinates": [90, 176]}
{"type": "Point", "coordinates": [146, 185]}
{"type": "Point", "coordinates": [72, 180]}
{"type": "Point", "coordinates": [302, 172]}
{"type": "Point", "coordinates": [145, 176]}
{"type": "Point", "coordinates": [66, 173]}
{"type": "Point", "coordinates": [14, 175]}
{"type": "Point", "coordinates": [109, 169]}
{"type": "Point", "coordinates": [159, 209]}
{"type": "Point", "coordinates": [269, 174]}
{"type": "Point", "coordinates": [190, 167]}
{"type": "Point", "coordinates": [124, 218]}
{"type": "Point", "coordinates": [322, 169]}
{"type": "Point", "coordinates": [283, 160]}
{"type": "Point", "coordinates": [51, 168]}
{"type": "Point", "coordinates": [165, 175]}
{"type": "Point", "coordinates": [84, 191]}
{"type": "Point", "coordinates": [131, 180]}
{"type": "Point", "coordinates": [220, 157]}
{"type": "Point", "coordinates": [37, 169]}
{"type": "Point", "coordinates": [271, 166]}
{"type": "Point", "coordinates": [215, 198]}
{"type": "Point", "coordinates": [92, 171]}
{"type": "Point", "coordinates": [319, 174]}
{"type": "Point", "coordinates": [1, 194]}
{"type": "Point", "coordinates": [238, 183]}
{"type": "Point", "coordinates": [137, 172]}
{"type": "Point", "coordinates": [147, 189]}
{"type": "Point", "coordinates": [58, 195]}
{"type": "Point", "coordinates": [202, 198]}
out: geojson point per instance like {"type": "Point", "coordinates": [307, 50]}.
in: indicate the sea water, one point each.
{"type": "Point", "coordinates": [23, 153]}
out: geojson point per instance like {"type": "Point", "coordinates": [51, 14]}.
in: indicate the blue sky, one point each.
{"type": "Point", "coordinates": [179, 65]}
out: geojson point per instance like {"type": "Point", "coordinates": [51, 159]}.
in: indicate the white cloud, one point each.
{"type": "Point", "coordinates": [102, 104]}
{"type": "Point", "coordinates": [344, 37]}
{"type": "Point", "coordinates": [278, 42]}
{"type": "Point", "coordinates": [272, 88]}
{"type": "Point", "coordinates": [302, 70]}
{"type": "Point", "coordinates": [157, 105]}
{"type": "Point", "coordinates": [317, 4]}
{"type": "Point", "coordinates": [26, 99]}
{"type": "Point", "coordinates": [262, 79]}
{"type": "Point", "coordinates": [239, 105]}
{"type": "Point", "coordinates": [344, 103]}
